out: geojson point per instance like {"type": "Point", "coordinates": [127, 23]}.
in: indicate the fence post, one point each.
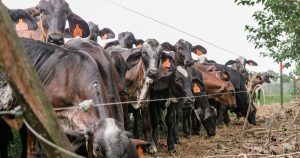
{"type": "Point", "coordinates": [28, 88]}
{"type": "Point", "coordinates": [281, 84]}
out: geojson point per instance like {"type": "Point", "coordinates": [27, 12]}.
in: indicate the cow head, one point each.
{"type": "Point", "coordinates": [106, 139]}
{"type": "Point", "coordinates": [150, 53]}
{"type": "Point", "coordinates": [240, 64]}
{"type": "Point", "coordinates": [126, 39]}
{"type": "Point", "coordinates": [105, 33]}
{"type": "Point", "coordinates": [183, 53]}
{"type": "Point", "coordinates": [52, 16]}
{"type": "Point", "coordinates": [208, 118]}
{"type": "Point", "coordinates": [182, 86]}
{"type": "Point", "coordinates": [122, 67]}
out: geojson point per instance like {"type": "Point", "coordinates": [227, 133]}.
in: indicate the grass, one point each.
{"type": "Point", "coordinates": [15, 147]}
{"type": "Point", "coordinates": [273, 99]}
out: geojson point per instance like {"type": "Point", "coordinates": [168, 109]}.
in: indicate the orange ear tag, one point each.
{"type": "Point", "coordinates": [21, 26]}
{"type": "Point", "coordinates": [196, 89]}
{"type": "Point", "coordinates": [167, 63]}
{"type": "Point", "coordinates": [77, 31]}
{"type": "Point", "coordinates": [198, 52]}
{"type": "Point", "coordinates": [140, 151]}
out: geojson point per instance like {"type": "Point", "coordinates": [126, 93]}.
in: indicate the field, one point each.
{"type": "Point", "coordinates": [259, 140]}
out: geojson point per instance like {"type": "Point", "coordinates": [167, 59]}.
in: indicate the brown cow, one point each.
{"type": "Point", "coordinates": [143, 63]}
{"type": "Point", "coordinates": [215, 85]}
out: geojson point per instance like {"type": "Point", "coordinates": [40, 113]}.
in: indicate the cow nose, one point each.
{"type": "Point", "coordinates": [189, 62]}
{"type": "Point", "coordinates": [56, 38]}
{"type": "Point", "coordinates": [152, 73]}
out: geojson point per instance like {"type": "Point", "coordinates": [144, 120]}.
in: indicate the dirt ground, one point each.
{"type": "Point", "coordinates": [258, 141]}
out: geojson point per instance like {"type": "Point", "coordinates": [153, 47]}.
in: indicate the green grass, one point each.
{"type": "Point", "coordinates": [15, 147]}
{"type": "Point", "coordinates": [273, 99]}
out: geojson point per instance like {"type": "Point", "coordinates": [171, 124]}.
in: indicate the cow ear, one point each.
{"type": "Point", "coordinates": [230, 62]}
{"type": "Point", "coordinates": [77, 23]}
{"type": "Point", "coordinates": [199, 50]}
{"type": "Point", "coordinates": [33, 11]}
{"type": "Point", "coordinates": [68, 33]}
{"type": "Point", "coordinates": [211, 68]}
{"type": "Point", "coordinates": [110, 44]}
{"type": "Point", "coordinates": [133, 58]}
{"type": "Point", "coordinates": [258, 78]}
{"type": "Point", "coordinates": [139, 142]}
{"type": "Point", "coordinates": [251, 63]}
{"type": "Point", "coordinates": [225, 76]}
{"type": "Point", "coordinates": [208, 113]}
{"type": "Point", "coordinates": [20, 15]}
{"type": "Point", "coordinates": [110, 34]}
{"type": "Point", "coordinates": [168, 47]}
{"type": "Point", "coordinates": [166, 65]}
{"type": "Point", "coordinates": [198, 85]}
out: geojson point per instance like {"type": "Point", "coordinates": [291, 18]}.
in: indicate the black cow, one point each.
{"type": "Point", "coordinates": [176, 84]}
{"type": "Point", "coordinates": [201, 113]}
{"type": "Point", "coordinates": [240, 65]}
{"type": "Point", "coordinates": [125, 40]}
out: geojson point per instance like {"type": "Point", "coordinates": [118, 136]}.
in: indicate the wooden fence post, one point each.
{"type": "Point", "coordinates": [28, 88]}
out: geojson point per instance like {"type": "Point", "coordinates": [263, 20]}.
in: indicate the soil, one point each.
{"type": "Point", "coordinates": [258, 141]}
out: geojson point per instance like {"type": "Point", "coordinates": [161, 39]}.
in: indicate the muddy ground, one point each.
{"type": "Point", "coordinates": [258, 141]}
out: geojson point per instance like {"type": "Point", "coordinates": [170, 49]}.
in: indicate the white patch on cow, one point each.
{"type": "Point", "coordinates": [111, 128]}
{"type": "Point", "coordinates": [182, 71]}
{"type": "Point", "coordinates": [168, 52]}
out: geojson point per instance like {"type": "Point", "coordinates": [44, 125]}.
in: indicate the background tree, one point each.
{"type": "Point", "coordinates": [278, 31]}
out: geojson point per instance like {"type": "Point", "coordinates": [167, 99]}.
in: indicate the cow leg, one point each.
{"type": "Point", "coordinates": [222, 113]}
{"type": "Point", "coordinates": [148, 128]}
{"type": "Point", "coordinates": [226, 117]}
{"type": "Point", "coordinates": [5, 137]}
{"type": "Point", "coordinates": [196, 124]}
{"type": "Point", "coordinates": [136, 120]}
{"type": "Point", "coordinates": [126, 119]}
{"type": "Point", "coordinates": [170, 120]}
{"type": "Point", "coordinates": [23, 135]}
{"type": "Point", "coordinates": [154, 117]}
{"type": "Point", "coordinates": [186, 122]}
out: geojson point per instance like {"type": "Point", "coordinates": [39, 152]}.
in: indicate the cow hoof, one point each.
{"type": "Point", "coordinates": [171, 152]}
{"type": "Point", "coordinates": [152, 149]}
{"type": "Point", "coordinates": [176, 141]}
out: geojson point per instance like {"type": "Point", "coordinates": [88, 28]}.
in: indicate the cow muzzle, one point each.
{"type": "Point", "coordinates": [56, 38]}
{"type": "Point", "coordinates": [152, 74]}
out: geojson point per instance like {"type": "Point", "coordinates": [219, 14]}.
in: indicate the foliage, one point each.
{"type": "Point", "coordinates": [278, 30]}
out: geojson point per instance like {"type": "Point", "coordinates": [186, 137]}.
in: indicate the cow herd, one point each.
{"type": "Point", "coordinates": [159, 83]}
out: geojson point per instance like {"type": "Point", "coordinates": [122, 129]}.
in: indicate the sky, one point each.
{"type": "Point", "coordinates": [220, 22]}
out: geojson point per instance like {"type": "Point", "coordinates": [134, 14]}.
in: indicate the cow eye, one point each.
{"type": "Point", "coordinates": [43, 11]}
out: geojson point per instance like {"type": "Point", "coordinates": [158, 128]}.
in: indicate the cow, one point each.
{"type": "Point", "coordinates": [201, 113]}
{"type": "Point", "coordinates": [143, 64]}
{"type": "Point", "coordinates": [176, 84]}
{"type": "Point", "coordinates": [242, 96]}
{"type": "Point", "coordinates": [255, 82]}
{"type": "Point", "coordinates": [125, 40]}
{"type": "Point", "coordinates": [240, 65]}
{"type": "Point", "coordinates": [105, 33]}
{"type": "Point", "coordinates": [111, 81]}
{"type": "Point", "coordinates": [51, 17]}
{"type": "Point", "coordinates": [64, 87]}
